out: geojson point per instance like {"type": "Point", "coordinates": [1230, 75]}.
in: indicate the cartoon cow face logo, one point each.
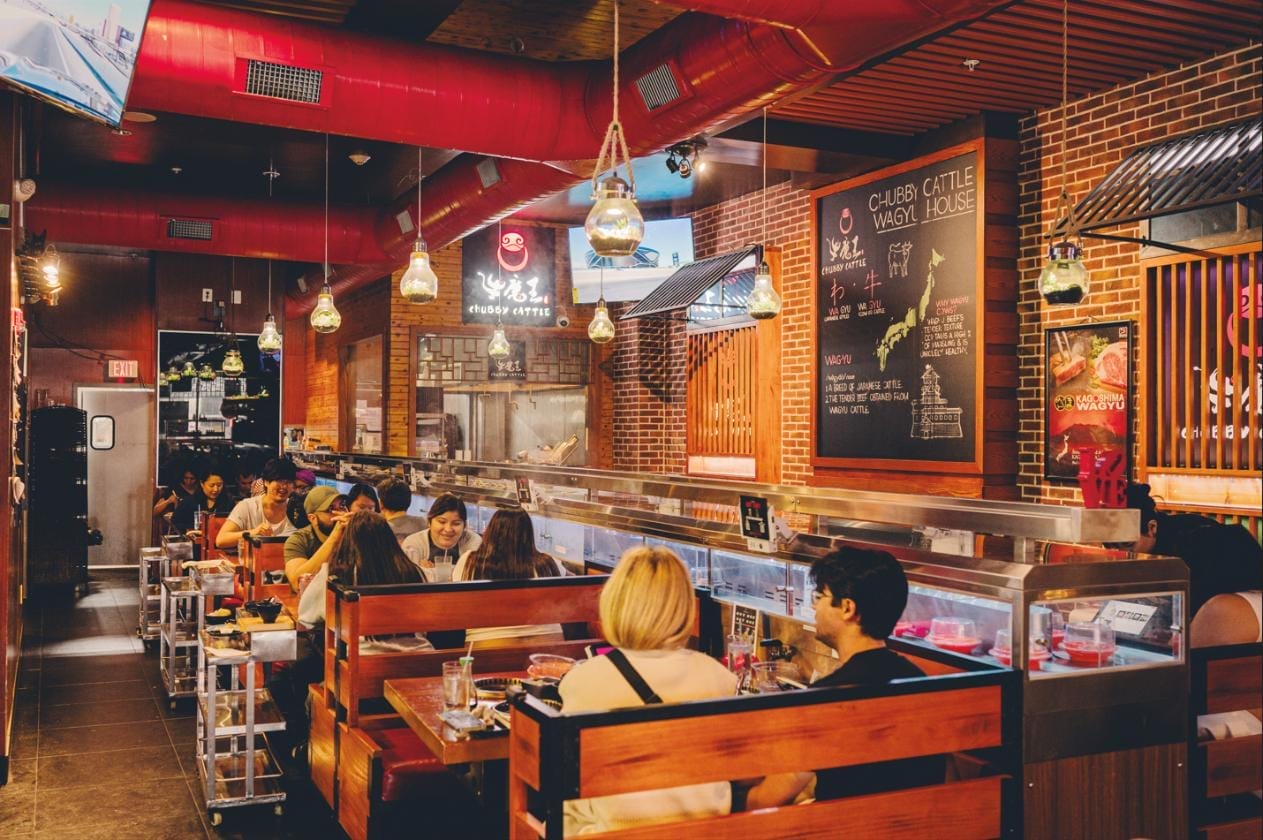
{"type": "Point", "coordinates": [846, 221]}
{"type": "Point", "coordinates": [513, 253]}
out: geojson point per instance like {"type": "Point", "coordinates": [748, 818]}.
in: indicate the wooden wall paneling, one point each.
{"type": "Point", "coordinates": [293, 371]}
{"type": "Point", "coordinates": [768, 385]}
{"type": "Point", "coordinates": [1138, 793]}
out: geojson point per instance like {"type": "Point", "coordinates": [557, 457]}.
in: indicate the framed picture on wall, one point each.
{"type": "Point", "coordinates": [1087, 388]}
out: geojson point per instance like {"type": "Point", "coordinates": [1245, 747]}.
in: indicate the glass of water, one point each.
{"type": "Point", "coordinates": [455, 686]}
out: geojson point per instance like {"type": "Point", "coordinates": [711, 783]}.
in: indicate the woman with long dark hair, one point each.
{"type": "Point", "coordinates": [508, 552]}
{"type": "Point", "coordinates": [369, 553]}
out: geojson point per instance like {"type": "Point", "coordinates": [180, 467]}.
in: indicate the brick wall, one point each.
{"type": "Point", "coordinates": [364, 314]}
{"type": "Point", "coordinates": [1103, 129]}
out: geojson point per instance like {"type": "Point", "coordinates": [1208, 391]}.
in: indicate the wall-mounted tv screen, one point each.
{"type": "Point", "coordinates": [668, 244]}
{"type": "Point", "coordinates": [79, 54]}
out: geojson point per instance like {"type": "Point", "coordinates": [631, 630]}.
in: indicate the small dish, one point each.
{"type": "Point", "coordinates": [219, 616]}
{"type": "Point", "coordinates": [549, 665]}
{"type": "Point", "coordinates": [956, 644]}
{"type": "Point", "coordinates": [494, 688]}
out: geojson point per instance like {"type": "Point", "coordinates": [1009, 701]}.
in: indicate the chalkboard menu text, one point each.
{"type": "Point", "coordinates": [897, 316]}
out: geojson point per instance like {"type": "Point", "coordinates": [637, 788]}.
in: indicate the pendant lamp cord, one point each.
{"type": "Point", "coordinates": [419, 177]}
{"type": "Point", "coordinates": [499, 274]}
{"type": "Point", "coordinates": [326, 210]}
{"type": "Point", "coordinates": [269, 288]}
{"type": "Point", "coordinates": [614, 141]}
{"type": "Point", "coordinates": [1063, 201]}
{"type": "Point", "coordinates": [765, 176]}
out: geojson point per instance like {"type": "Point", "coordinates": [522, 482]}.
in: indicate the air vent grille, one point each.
{"type": "Point", "coordinates": [658, 88]}
{"type": "Point", "coordinates": [189, 229]}
{"type": "Point", "coordinates": [284, 81]}
{"type": "Point", "coordinates": [488, 173]}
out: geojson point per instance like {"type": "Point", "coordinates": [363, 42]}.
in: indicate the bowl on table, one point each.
{"type": "Point", "coordinates": [219, 616]}
{"type": "Point", "coordinates": [494, 688]}
{"type": "Point", "coordinates": [549, 665]}
{"type": "Point", "coordinates": [267, 610]}
{"type": "Point", "coordinates": [958, 635]}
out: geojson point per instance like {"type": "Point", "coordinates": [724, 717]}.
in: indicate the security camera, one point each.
{"type": "Point", "coordinates": [563, 319]}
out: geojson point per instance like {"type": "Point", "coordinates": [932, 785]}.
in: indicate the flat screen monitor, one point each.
{"type": "Point", "coordinates": [79, 54]}
{"type": "Point", "coordinates": [668, 244]}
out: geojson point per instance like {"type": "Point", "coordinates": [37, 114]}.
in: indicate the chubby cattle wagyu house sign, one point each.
{"type": "Point", "coordinates": [509, 271]}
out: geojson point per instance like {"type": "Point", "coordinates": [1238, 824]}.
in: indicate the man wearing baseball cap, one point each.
{"type": "Point", "coordinates": [307, 549]}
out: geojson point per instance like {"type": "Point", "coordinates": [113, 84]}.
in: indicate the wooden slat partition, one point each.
{"type": "Point", "coordinates": [1202, 385]}
{"type": "Point", "coordinates": [721, 391]}
{"type": "Point", "coordinates": [648, 748]}
{"type": "Point", "coordinates": [631, 757]}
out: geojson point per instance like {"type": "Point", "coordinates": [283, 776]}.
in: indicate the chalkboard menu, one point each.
{"type": "Point", "coordinates": [508, 273]}
{"type": "Point", "coordinates": [897, 317]}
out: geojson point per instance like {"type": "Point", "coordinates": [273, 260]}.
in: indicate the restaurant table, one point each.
{"type": "Point", "coordinates": [419, 701]}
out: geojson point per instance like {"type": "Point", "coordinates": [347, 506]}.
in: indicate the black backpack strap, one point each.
{"type": "Point", "coordinates": [633, 677]}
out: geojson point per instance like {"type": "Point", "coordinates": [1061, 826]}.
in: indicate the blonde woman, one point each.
{"type": "Point", "coordinates": [647, 612]}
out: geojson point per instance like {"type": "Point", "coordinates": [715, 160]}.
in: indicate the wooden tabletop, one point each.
{"type": "Point", "coordinates": [419, 701]}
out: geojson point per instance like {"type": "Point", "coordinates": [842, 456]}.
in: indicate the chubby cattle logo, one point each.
{"type": "Point", "coordinates": [845, 221]}
{"type": "Point", "coordinates": [513, 255]}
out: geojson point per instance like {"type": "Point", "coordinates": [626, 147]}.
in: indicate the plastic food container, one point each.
{"type": "Point", "coordinates": [902, 628]}
{"type": "Point", "coordinates": [958, 635]}
{"type": "Point", "coordinates": [549, 665]}
{"type": "Point", "coordinates": [1002, 650]}
{"type": "Point", "coordinates": [1088, 643]}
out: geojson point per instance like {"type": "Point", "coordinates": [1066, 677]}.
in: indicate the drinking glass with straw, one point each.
{"type": "Point", "coordinates": [467, 670]}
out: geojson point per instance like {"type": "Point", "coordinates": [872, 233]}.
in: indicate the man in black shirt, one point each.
{"type": "Point", "coordinates": [859, 595]}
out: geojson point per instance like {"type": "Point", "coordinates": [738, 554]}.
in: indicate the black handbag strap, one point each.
{"type": "Point", "coordinates": [633, 677]}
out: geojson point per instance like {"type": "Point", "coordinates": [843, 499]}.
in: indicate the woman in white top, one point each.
{"type": "Point", "coordinates": [443, 542]}
{"type": "Point", "coordinates": [262, 516]}
{"type": "Point", "coordinates": [647, 611]}
{"type": "Point", "coordinates": [508, 552]}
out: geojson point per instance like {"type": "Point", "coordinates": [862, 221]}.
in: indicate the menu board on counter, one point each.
{"type": "Point", "coordinates": [897, 317]}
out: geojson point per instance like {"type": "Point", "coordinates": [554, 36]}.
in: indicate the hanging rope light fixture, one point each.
{"type": "Point", "coordinates": [499, 347]}
{"type": "Point", "coordinates": [1064, 279]}
{"type": "Point", "coordinates": [325, 318]}
{"type": "Point", "coordinates": [270, 337]}
{"type": "Point", "coordinates": [233, 365]}
{"type": "Point", "coordinates": [614, 226]}
{"type": "Point", "coordinates": [419, 284]}
{"type": "Point", "coordinates": [763, 302]}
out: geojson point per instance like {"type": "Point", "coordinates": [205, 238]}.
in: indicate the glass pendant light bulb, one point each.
{"type": "Point", "coordinates": [234, 365]}
{"type": "Point", "coordinates": [614, 225]}
{"type": "Point", "coordinates": [763, 302]}
{"type": "Point", "coordinates": [498, 347]}
{"type": "Point", "coordinates": [270, 338]}
{"type": "Point", "coordinates": [601, 329]}
{"type": "Point", "coordinates": [206, 372]}
{"type": "Point", "coordinates": [325, 318]}
{"type": "Point", "coordinates": [419, 284]}
{"type": "Point", "coordinates": [189, 371]}
{"type": "Point", "coordinates": [173, 375]}
{"type": "Point", "coordinates": [1064, 279]}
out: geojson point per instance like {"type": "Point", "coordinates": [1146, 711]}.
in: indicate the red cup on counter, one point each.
{"type": "Point", "coordinates": [959, 635]}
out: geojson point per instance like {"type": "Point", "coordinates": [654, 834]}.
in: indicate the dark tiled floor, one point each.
{"type": "Point", "coordinates": [98, 752]}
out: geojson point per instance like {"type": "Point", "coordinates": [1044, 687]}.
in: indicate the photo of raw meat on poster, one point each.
{"type": "Point", "coordinates": [79, 54]}
{"type": "Point", "coordinates": [1087, 387]}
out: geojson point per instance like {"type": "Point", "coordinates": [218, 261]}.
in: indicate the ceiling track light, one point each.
{"type": "Point", "coordinates": [685, 157]}
{"type": "Point", "coordinates": [614, 226]}
{"type": "Point", "coordinates": [1064, 278]}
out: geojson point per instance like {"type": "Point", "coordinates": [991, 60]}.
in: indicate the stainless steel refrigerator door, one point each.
{"type": "Point", "coordinates": [120, 470]}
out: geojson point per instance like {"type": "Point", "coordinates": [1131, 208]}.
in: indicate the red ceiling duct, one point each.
{"type": "Point", "coordinates": [262, 228]}
{"type": "Point", "coordinates": [846, 33]}
{"type": "Point", "coordinates": [692, 74]}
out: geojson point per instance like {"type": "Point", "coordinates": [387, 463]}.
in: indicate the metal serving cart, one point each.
{"type": "Point", "coordinates": [153, 568]}
{"type": "Point", "coordinates": [181, 621]}
{"type": "Point", "coordinates": [235, 762]}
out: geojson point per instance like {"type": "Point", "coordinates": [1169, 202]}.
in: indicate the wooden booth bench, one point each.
{"type": "Point", "coordinates": [554, 757]}
{"type": "Point", "coordinates": [1225, 772]}
{"type": "Point", "coordinates": [362, 755]}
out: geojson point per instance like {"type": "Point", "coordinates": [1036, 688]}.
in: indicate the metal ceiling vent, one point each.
{"type": "Point", "coordinates": [198, 229]}
{"type": "Point", "coordinates": [658, 87]}
{"type": "Point", "coordinates": [283, 81]}
{"type": "Point", "coordinates": [488, 173]}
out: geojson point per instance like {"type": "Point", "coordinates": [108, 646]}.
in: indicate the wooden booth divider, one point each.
{"type": "Point", "coordinates": [1226, 772]}
{"type": "Point", "coordinates": [555, 757]}
{"type": "Point", "coordinates": [353, 734]}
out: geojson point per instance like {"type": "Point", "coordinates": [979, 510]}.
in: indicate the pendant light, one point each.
{"type": "Point", "coordinates": [763, 302]}
{"type": "Point", "coordinates": [1064, 279]}
{"type": "Point", "coordinates": [270, 338]}
{"type": "Point", "coordinates": [601, 329]}
{"type": "Point", "coordinates": [419, 284]}
{"type": "Point", "coordinates": [233, 365]}
{"type": "Point", "coordinates": [325, 318]}
{"type": "Point", "coordinates": [206, 373]}
{"type": "Point", "coordinates": [189, 371]}
{"type": "Point", "coordinates": [498, 347]}
{"type": "Point", "coordinates": [614, 225]}
{"type": "Point", "coordinates": [172, 375]}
